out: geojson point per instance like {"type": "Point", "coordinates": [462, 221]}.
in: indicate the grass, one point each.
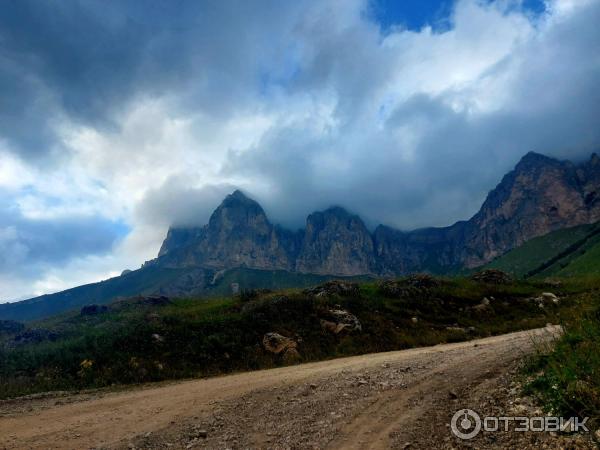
{"type": "Point", "coordinates": [563, 253]}
{"type": "Point", "coordinates": [566, 376]}
{"type": "Point", "coordinates": [134, 342]}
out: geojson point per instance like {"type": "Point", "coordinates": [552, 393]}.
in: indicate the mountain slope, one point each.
{"type": "Point", "coordinates": [571, 251]}
{"type": "Point", "coordinates": [155, 280]}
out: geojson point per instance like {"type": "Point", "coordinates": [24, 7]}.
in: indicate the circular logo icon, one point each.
{"type": "Point", "coordinates": [465, 424]}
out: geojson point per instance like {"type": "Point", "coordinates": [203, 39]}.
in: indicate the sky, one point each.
{"type": "Point", "coordinates": [119, 119]}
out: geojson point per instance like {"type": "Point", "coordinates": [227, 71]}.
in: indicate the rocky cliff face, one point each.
{"type": "Point", "coordinates": [336, 242]}
{"type": "Point", "coordinates": [238, 234]}
{"type": "Point", "coordinates": [539, 196]}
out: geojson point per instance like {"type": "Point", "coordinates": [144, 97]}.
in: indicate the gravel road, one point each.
{"type": "Point", "coordinates": [401, 399]}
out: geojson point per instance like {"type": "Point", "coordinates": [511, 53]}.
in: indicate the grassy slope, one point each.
{"type": "Point", "coordinates": [143, 281]}
{"type": "Point", "coordinates": [583, 262]}
{"type": "Point", "coordinates": [567, 377]}
{"type": "Point", "coordinates": [567, 252]}
{"type": "Point", "coordinates": [204, 337]}
{"type": "Point", "coordinates": [147, 281]}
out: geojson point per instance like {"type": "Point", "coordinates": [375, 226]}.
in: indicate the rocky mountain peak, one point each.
{"type": "Point", "coordinates": [336, 242]}
{"type": "Point", "coordinates": [239, 212]}
{"type": "Point", "coordinates": [540, 195]}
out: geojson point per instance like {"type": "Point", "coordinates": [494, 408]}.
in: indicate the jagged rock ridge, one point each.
{"type": "Point", "coordinates": [540, 195]}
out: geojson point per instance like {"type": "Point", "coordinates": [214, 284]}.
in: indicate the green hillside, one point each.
{"type": "Point", "coordinates": [157, 280]}
{"type": "Point", "coordinates": [568, 252]}
{"type": "Point", "coordinates": [139, 340]}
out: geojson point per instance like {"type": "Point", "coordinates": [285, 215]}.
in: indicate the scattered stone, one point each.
{"type": "Point", "coordinates": [280, 345]}
{"type": "Point", "coordinates": [157, 338]}
{"type": "Point", "coordinates": [202, 434]}
{"type": "Point", "coordinates": [452, 395]}
{"type": "Point", "coordinates": [492, 276]}
{"type": "Point", "coordinates": [550, 297]}
{"type": "Point", "coordinates": [410, 285]}
{"type": "Point", "coordinates": [334, 287]}
{"type": "Point", "coordinates": [338, 320]}
{"type": "Point", "coordinates": [455, 329]}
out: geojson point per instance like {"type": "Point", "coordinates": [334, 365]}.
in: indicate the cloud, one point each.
{"type": "Point", "coordinates": [120, 119]}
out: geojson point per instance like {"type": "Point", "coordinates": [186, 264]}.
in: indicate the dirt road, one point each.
{"type": "Point", "coordinates": [372, 401]}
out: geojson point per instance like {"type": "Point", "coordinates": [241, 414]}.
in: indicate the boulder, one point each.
{"type": "Point", "coordinates": [550, 297]}
{"type": "Point", "coordinates": [422, 281]}
{"type": "Point", "coordinates": [546, 298]}
{"type": "Point", "coordinates": [456, 329]}
{"type": "Point", "coordinates": [334, 287]}
{"type": "Point", "coordinates": [279, 345]}
{"type": "Point", "coordinates": [411, 285]}
{"type": "Point", "coordinates": [339, 320]}
{"type": "Point", "coordinates": [492, 276]}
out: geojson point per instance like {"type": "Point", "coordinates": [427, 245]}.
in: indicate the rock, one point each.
{"type": "Point", "coordinates": [90, 310]}
{"type": "Point", "coordinates": [414, 320]}
{"type": "Point", "coordinates": [550, 297]}
{"type": "Point", "coordinates": [422, 281]}
{"type": "Point", "coordinates": [411, 285]}
{"type": "Point", "coordinates": [492, 276]}
{"type": "Point", "coordinates": [157, 338]}
{"type": "Point", "coordinates": [339, 320]}
{"type": "Point", "coordinates": [334, 287]}
{"type": "Point", "coordinates": [452, 395]}
{"type": "Point", "coordinates": [482, 307]}
{"type": "Point", "coordinates": [280, 345]}
{"type": "Point", "coordinates": [202, 434]}
{"type": "Point", "coordinates": [455, 329]}
{"type": "Point", "coordinates": [336, 242]}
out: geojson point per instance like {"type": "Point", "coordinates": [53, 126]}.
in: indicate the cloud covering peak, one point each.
{"type": "Point", "coordinates": [119, 119]}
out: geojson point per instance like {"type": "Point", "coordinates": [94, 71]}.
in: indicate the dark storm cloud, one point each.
{"type": "Point", "coordinates": [553, 107]}
{"type": "Point", "coordinates": [176, 203]}
{"type": "Point", "coordinates": [87, 60]}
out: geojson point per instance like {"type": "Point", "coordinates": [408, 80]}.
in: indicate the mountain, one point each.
{"type": "Point", "coordinates": [539, 196]}
{"type": "Point", "coordinates": [238, 234]}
